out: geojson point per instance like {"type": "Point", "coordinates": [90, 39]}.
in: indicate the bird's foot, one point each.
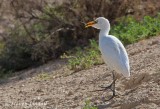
{"type": "Point", "coordinates": [104, 88]}
{"type": "Point", "coordinates": [107, 87]}
{"type": "Point", "coordinates": [112, 88]}
{"type": "Point", "coordinates": [110, 97]}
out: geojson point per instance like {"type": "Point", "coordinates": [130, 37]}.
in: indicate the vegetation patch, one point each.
{"type": "Point", "coordinates": [84, 58]}
{"type": "Point", "coordinates": [129, 30]}
{"type": "Point", "coordinates": [43, 77]}
{"type": "Point", "coordinates": [89, 106]}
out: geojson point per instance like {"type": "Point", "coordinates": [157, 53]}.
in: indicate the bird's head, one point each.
{"type": "Point", "coordinates": [99, 23]}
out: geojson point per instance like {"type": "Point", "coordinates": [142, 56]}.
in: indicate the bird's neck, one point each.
{"type": "Point", "coordinates": [105, 29]}
{"type": "Point", "coordinates": [103, 32]}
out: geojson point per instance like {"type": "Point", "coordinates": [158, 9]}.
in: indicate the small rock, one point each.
{"type": "Point", "coordinates": [39, 90]}
{"type": "Point", "coordinates": [70, 93]}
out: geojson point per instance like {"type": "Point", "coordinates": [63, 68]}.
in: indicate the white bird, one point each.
{"type": "Point", "coordinates": [113, 52]}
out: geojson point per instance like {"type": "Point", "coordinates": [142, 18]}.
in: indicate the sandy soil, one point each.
{"type": "Point", "coordinates": [53, 86]}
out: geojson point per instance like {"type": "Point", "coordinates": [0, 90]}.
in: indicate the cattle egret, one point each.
{"type": "Point", "coordinates": [113, 52]}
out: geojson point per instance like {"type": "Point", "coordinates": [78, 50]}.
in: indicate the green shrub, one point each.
{"type": "Point", "coordinates": [32, 43]}
{"type": "Point", "coordinates": [16, 52]}
{"type": "Point", "coordinates": [21, 50]}
{"type": "Point", "coordinates": [128, 30]}
{"type": "Point", "coordinates": [89, 106]}
{"type": "Point", "coordinates": [84, 58]}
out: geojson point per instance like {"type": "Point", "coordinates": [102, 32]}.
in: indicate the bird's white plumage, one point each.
{"type": "Point", "coordinates": [113, 51]}
{"type": "Point", "coordinates": [114, 54]}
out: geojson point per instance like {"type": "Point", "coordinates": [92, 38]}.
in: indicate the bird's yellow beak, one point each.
{"type": "Point", "coordinates": [89, 24]}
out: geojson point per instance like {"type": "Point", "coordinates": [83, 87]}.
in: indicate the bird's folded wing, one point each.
{"type": "Point", "coordinates": [115, 55]}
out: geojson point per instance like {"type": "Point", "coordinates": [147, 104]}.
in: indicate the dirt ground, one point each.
{"type": "Point", "coordinates": [53, 86]}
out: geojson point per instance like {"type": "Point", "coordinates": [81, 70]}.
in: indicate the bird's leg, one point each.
{"type": "Point", "coordinates": [112, 84]}
{"type": "Point", "coordinates": [111, 87]}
